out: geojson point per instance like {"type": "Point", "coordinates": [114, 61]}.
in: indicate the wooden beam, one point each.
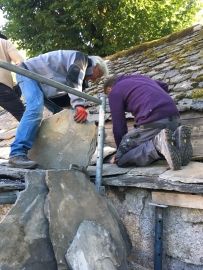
{"type": "Point", "coordinates": [178, 199]}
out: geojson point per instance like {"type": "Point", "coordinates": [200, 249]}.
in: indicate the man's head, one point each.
{"type": "Point", "coordinates": [108, 84]}
{"type": "Point", "coordinates": [3, 36]}
{"type": "Point", "coordinates": [99, 68]}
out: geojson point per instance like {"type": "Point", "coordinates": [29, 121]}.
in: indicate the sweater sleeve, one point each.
{"type": "Point", "coordinates": [75, 77]}
{"type": "Point", "coordinates": [117, 108]}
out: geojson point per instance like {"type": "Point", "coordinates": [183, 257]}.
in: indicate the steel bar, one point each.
{"type": "Point", "coordinates": [158, 242]}
{"type": "Point", "coordinates": [100, 145]}
{"type": "Point", "coordinates": [158, 238]}
{"type": "Point", "coordinates": [50, 82]}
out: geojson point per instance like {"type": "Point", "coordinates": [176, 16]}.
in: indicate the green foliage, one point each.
{"type": "Point", "coordinates": [99, 27]}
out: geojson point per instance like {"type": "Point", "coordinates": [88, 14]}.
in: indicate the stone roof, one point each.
{"type": "Point", "coordinates": [176, 59]}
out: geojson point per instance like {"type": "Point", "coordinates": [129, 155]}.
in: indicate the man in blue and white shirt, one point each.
{"type": "Point", "coordinates": [65, 66]}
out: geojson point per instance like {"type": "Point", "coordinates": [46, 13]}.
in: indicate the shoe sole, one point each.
{"type": "Point", "coordinates": [184, 144]}
{"type": "Point", "coordinates": [23, 167]}
{"type": "Point", "coordinates": [173, 158]}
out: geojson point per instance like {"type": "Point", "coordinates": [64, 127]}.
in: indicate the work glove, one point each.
{"type": "Point", "coordinates": [80, 114]}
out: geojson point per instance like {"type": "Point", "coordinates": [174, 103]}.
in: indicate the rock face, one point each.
{"type": "Point", "coordinates": [61, 142]}
{"type": "Point", "coordinates": [71, 200]}
{"type": "Point", "coordinates": [182, 235]}
{"type": "Point", "coordinates": [39, 229]}
{"type": "Point", "coordinates": [25, 242]}
{"type": "Point", "coordinates": [92, 249]}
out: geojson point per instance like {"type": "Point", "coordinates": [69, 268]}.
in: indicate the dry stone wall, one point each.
{"type": "Point", "coordinates": [182, 235]}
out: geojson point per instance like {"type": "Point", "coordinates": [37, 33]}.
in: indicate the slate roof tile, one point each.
{"type": "Point", "coordinates": [176, 59]}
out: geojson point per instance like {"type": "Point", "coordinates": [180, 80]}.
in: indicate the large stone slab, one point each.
{"type": "Point", "coordinates": [71, 200]}
{"type": "Point", "coordinates": [61, 142]}
{"type": "Point", "coordinates": [92, 249]}
{"type": "Point", "coordinates": [24, 237]}
{"type": "Point", "coordinates": [192, 173]}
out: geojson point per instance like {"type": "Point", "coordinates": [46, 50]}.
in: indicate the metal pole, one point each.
{"type": "Point", "coordinates": [158, 238]}
{"type": "Point", "coordinates": [158, 241]}
{"type": "Point", "coordinates": [100, 146]}
{"type": "Point", "coordinates": [50, 82]}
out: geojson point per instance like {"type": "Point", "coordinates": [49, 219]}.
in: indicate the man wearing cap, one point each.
{"type": "Point", "coordinates": [65, 66]}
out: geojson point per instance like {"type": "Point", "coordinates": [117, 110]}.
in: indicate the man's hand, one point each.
{"type": "Point", "coordinates": [113, 160]}
{"type": "Point", "coordinates": [80, 114]}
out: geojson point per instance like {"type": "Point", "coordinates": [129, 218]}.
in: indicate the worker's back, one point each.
{"type": "Point", "coordinates": [8, 53]}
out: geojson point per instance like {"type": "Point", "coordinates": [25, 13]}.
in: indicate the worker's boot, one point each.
{"type": "Point", "coordinates": [22, 162]}
{"type": "Point", "coordinates": [164, 143]}
{"type": "Point", "coordinates": [183, 142]}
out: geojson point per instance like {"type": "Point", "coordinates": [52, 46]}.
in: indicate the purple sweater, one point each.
{"type": "Point", "coordinates": [145, 98]}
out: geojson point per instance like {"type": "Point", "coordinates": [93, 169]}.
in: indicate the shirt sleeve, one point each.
{"type": "Point", "coordinates": [117, 108]}
{"type": "Point", "coordinates": [14, 55]}
{"type": "Point", "coordinates": [75, 77]}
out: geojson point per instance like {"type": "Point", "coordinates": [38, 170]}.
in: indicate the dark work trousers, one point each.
{"type": "Point", "coordinates": [137, 147]}
{"type": "Point", "coordinates": [11, 102]}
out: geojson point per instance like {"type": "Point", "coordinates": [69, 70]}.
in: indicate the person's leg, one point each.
{"type": "Point", "coordinates": [134, 138]}
{"type": "Point", "coordinates": [139, 148]}
{"type": "Point", "coordinates": [57, 104]}
{"type": "Point", "coordinates": [141, 134]}
{"type": "Point", "coordinates": [31, 119]}
{"type": "Point", "coordinates": [142, 155]}
{"type": "Point", "coordinates": [163, 144]}
{"type": "Point", "coordinates": [11, 102]}
{"type": "Point", "coordinates": [62, 101]}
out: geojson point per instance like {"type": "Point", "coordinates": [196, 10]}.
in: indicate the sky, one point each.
{"type": "Point", "coordinates": [2, 20]}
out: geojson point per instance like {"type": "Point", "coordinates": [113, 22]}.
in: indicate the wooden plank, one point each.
{"type": "Point", "coordinates": [177, 199]}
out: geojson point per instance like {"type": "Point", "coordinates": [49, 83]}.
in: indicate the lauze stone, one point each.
{"type": "Point", "coordinates": [61, 142]}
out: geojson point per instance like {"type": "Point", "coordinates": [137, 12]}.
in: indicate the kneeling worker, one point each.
{"type": "Point", "coordinates": [158, 132]}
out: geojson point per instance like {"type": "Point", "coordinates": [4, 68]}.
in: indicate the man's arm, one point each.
{"type": "Point", "coordinates": [14, 55]}
{"type": "Point", "coordinates": [117, 108]}
{"type": "Point", "coordinates": [75, 77]}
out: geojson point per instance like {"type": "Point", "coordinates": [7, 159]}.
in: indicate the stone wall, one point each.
{"type": "Point", "coordinates": [182, 236]}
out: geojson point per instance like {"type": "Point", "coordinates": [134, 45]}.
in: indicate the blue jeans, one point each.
{"type": "Point", "coordinates": [29, 124]}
